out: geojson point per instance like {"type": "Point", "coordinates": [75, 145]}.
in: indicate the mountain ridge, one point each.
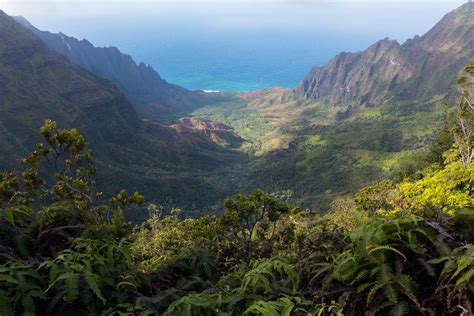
{"type": "Point", "coordinates": [22, 52]}
{"type": "Point", "coordinates": [37, 83]}
{"type": "Point", "coordinates": [363, 117]}
{"type": "Point", "coordinates": [152, 96]}
{"type": "Point", "coordinates": [388, 69]}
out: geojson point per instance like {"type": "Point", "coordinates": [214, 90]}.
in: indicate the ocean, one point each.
{"type": "Point", "coordinates": [238, 46]}
{"type": "Point", "coordinates": [239, 61]}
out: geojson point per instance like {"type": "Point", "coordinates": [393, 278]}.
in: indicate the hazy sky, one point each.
{"type": "Point", "coordinates": [240, 13]}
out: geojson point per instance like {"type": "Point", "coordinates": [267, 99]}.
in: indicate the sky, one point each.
{"type": "Point", "coordinates": [230, 44]}
{"type": "Point", "coordinates": [357, 14]}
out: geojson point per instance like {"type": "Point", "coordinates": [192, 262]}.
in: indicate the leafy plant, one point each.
{"type": "Point", "coordinates": [267, 276]}
{"type": "Point", "coordinates": [22, 287]}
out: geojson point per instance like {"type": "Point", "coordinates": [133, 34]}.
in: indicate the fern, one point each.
{"type": "Point", "coordinates": [346, 266]}
{"type": "Point", "coordinates": [73, 275]}
{"type": "Point", "coordinates": [400, 309]}
{"type": "Point", "coordinates": [270, 275]}
{"type": "Point", "coordinates": [22, 287]}
{"type": "Point", "coordinates": [71, 282]}
{"type": "Point", "coordinates": [282, 307]}
{"type": "Point", "coordinates": [92, 281]}
{"type": "Point", "coordinates": [465, 277]}
{"type": "Point", "coordinates": [379, 248]}
{"type": "Point", "coordinates": [195, 304]}
{"type": "Point", "coordinates": [464, 265]}
{"type": "Point", "coordinates": [459, 264]}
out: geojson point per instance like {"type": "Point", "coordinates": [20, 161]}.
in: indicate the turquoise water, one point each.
{"type": "Point", "coordinates": [241, 61]}
{"type": "Point", "coordinates": [239, 45]}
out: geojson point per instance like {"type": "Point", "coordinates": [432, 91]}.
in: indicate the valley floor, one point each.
{"type": "Point", "coordinates": [311, 152]}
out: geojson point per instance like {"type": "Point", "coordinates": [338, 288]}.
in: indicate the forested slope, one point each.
{"type": "Point", "coordinates": [176, 168]}
{"type": "Point", "coordinates": [395, 247]}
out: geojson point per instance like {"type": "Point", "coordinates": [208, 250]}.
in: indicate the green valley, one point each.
{"type": "Point", "coordinates": [394, 247]}
{"type": "Point", "coordinates": [319, 146]}
{"type": "Point", "coordinates": [350, 194]}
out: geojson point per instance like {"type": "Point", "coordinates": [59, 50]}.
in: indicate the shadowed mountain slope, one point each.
{"type": "Point", "coordinates": [37, 83]}
{"type": "Point", "coordinates": [152, 96]}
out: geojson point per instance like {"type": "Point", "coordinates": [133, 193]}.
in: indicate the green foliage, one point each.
{"type": "Point", "coordinates": [400, 248]}
{"type": "Point", "coordinates": [21, 287]}
{"type": "Point", "coordinates": [284, 306]}
{"type": "Point", "coordinates": [345, 215]}
{"type": "Point", "coordinates": [375, 262]}
{"type": "Point", "coordinates": [250, 224]}
{"type": "Point", "coordinates": [459, 266]}
{"type": "Point", "coordinates": [269, 276]}
{"type": "Point", "coordinates": [376, 197]}
{"type": "Point", "coordinates": [463, 132]}
{"type": "Point", "coordinates": [440, 192]}
{"type": "Point", "coordinates": [289, 305]}
{"type": "Point", "coordinates": [194, 304]}
{"type": "Point", "coordinates": [302, 147]}
{"type": "Point", "coordinates": [71, 238]}
{"type": "Point", "coordinates": [160, 239]}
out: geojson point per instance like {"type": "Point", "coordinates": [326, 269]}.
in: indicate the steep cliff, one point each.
{"type": "Point", "coordinates": [36, 84]}
{"type": "Point", "coordinates": [420, 68]}
{"type": "Point", "coordinates": [143, 86]}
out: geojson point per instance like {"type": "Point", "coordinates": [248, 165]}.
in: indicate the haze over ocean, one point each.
{"type": "Point", "coordinates": [229, 46]}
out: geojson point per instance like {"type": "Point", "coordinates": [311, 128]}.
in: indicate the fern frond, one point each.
{"type": "Point", "coordinates": [465, 277]}
{"type": "Point", "coordinates": [407, 283]}
{"type": "Point", "coordinates": [373, 290]}
{"type": "Point", "coordinates": [387, 248]}
{"type": "Point", "coordinates": [361, 288]}
{"type": "Point", "coordinates": [71, 281]}
{"type": "Point", "coordinates": [391, 294]}
{"type": "Point", "coordinates": [91, 280]}
{"type": "Point", "coordinates": [400, 309]}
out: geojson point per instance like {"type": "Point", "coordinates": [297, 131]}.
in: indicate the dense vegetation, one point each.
{"type": "Point", "coordinates": [335, 155]}
{"type": "Point", "coordinates": [375, 113]}
{"type": "Point", "coordinates": [405, 247]}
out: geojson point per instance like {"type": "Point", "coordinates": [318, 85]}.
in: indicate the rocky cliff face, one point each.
{"type": "Point", "coordinates": [216, 132]}
{"type": "Point", "coordinates": [37, 84]}
{"type": "Point", "coordinates": [420, 68]}
{"type": "Point", "coordinates": [151, 95]}
{"type": "Point", "coordinates": [203, 124]}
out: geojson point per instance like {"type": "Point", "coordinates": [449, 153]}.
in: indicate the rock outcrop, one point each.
{"type": "Point", "coordinates": [216, 132]}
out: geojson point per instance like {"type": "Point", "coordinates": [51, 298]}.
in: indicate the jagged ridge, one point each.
{"type": "Point", "coordinates": [420, 68]}
{"type": "Point", "coordinates": [151, 95]}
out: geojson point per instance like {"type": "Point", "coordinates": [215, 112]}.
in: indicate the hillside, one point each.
{"type": "Point", "coordinates": [418, 69]}
{"type": "Point", "coordinates": [176, 168]}
{"type": "Point", "coordinates": [111, 206]}
{"type": "Point", "coordinates": [393, 248]}
{"type": "Point", "coordinates": [37, 84]}
{"type": "Point", "coordinates": [309, 145]}
{"type": "Point", "coordinates": [360, 118]}
{"type": "Point", "coordinates": [152, 96]}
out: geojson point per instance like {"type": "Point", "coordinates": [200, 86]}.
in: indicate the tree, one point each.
{"type": "Point", "coordinates": [463, 133]}
{"type": "Point", "coordinates": [248, 219]}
